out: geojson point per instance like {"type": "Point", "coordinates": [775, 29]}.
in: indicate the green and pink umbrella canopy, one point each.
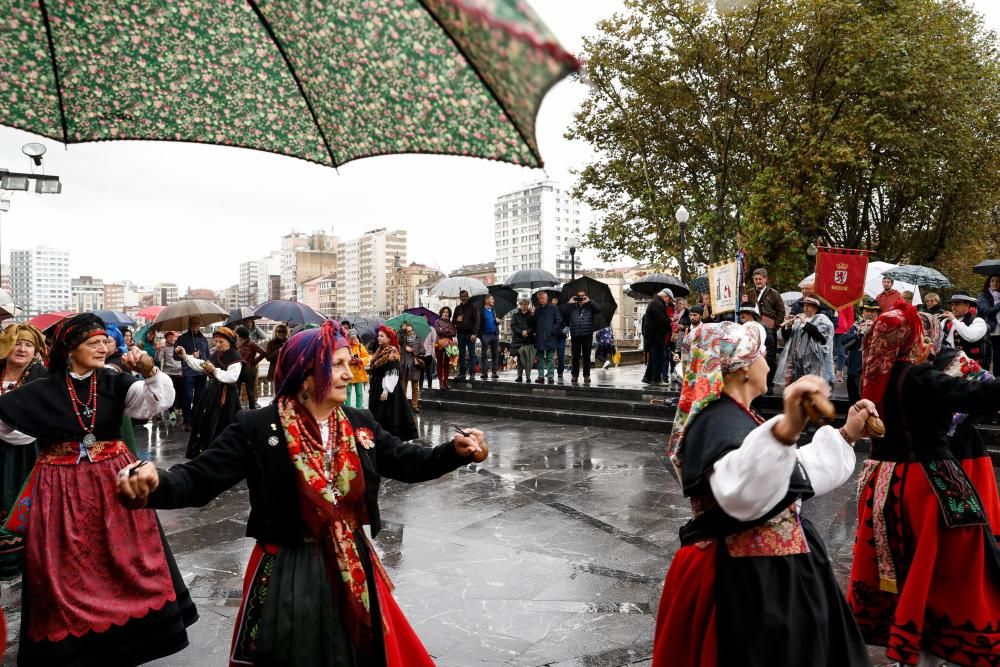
{"type": "Point", "coordinates": [327, 81]}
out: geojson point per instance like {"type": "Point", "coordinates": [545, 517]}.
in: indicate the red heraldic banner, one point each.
{"type": "Point", "coordinates": [840, 276]}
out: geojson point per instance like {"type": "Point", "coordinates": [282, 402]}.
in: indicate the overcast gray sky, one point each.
{"type": "Point", "coordinates": [129, 210]}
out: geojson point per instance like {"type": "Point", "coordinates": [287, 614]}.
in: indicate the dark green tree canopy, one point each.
{"type": "Point", "coordinates": [777, 123]}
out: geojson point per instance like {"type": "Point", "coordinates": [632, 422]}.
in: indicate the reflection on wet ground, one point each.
{"type": "Point", "coordinates": [551, 553]}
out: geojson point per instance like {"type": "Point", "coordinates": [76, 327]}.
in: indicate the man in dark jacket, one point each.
{"type": "Point", "coordinates": [522, 338]}
{"type": "Point", "coordinates": [772, 314]}
{"type": "Point", "coordinates": [548, 324]}
{"type": "Point", "coordinates": [467, 322]}
{"type": "Point", "coordinates": [655, 329]}
{"type": "Point", "coordinates": [579, 316]}
{"type": "Point", "coordinates": [195, 344]}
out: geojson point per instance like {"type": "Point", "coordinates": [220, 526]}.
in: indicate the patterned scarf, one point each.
{"type": "Point", "coordinates": [896, 335]}
{"type": "Point", "coordinates": [332, 512]}
{"type": "Point", "coordinates": [384, 354]}
{"type": "Point", "coordinates": [710, 352]}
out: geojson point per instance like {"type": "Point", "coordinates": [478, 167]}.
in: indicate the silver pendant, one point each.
{"type": "Point", "coordinates": [89, 440]}
{"type": "Point", "coordinates": [87, 412]}
{"type": "Point", "coordinates": [273, 441]}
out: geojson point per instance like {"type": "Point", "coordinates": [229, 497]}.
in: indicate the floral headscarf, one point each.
{"type": "Point", "coordinates": [933, 335]}
{"type": "Point", "coordinates": [710, 352]}
{"type": "Point", "coordinates": [897, 335]}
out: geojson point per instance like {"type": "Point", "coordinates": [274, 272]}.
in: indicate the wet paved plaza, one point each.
{"type": "Point", "coordinates": [551, 553]}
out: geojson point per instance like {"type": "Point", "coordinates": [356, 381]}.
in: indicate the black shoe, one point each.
{"type": "Point", "coordinates": [552, 380]}
{"type": "Point", "coordinates": [518, 379]}
{"type": "Point", "coordinates": [541, 381]}
{"type": "Point", "coordinates": [574, 380]}
{"type": "Point", "coordinates": [586, 380]}
{"type": "Point", "coordinates": [496, 377]}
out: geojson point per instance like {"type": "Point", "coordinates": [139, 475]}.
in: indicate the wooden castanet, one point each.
{"type": "Point", "coordinates": [818, 408]}
{"type": "Point", "coordinates": [875, 426]}
{"type": "Point", "coordinates": [481, 455]}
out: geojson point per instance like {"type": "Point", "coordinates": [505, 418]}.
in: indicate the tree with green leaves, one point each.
{"type": "Point", "coordinates": [779, 123]}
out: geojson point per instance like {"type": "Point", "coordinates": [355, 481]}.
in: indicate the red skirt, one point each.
{"type": "Point", "coordinates": [948, 602]}
{"type": "Point", "coordinates": [981, 473]}
{"type": "Point", "coordinates": [685, 623]}
{"type": "Point", "coordinates": [91, 563]}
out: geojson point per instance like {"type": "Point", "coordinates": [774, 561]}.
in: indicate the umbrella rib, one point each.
{"type": "Point", "coordinates": [482, 80]}
{"type": "Point", "coordinates": [295, 76]}
{"type": "Point", "coordinates": [55, 69]}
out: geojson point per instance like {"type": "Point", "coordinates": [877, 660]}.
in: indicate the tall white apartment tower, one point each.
{"type": "Point", "coordinates": [364, 270]}
{"type": "Point", "coordinates": [40, 280]}
{"type": "Point", "coordinates": [531, 227]}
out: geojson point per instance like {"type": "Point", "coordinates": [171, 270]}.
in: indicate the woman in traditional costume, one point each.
{"type": "Point", "coordinates": [314, 591]}
{"type": "Point", "coordinates": [22, 348]}
{"type": "Point", "coordinates": [220, 401]}
{"type": "Point", "coordinates": [386, 394]}
{"type": "Point", "coordinates": [925, 581]}
{"type": "Point", "coordinates": [100, 586]}
{"type": "Point", "coordinates": [752, 584]}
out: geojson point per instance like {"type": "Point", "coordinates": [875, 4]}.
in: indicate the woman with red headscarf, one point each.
{"type": "Point", "coordinates": [386, 394]}
{"type": "Point", "coordinates": [314, 591]}
{"type": "Point", "coordinates": [925, 582]}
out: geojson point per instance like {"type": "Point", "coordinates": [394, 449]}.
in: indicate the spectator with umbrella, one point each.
{"type": "Point", "coordinates": [193, 343]}
{"type": "Point", "coordinates": [272, 350]}
{"type": "Point", "coordinates": [522, 338]}
{"type": "Point", "coordinates": [411, 363]}
{"type": "Point", "coordinates": [244, 315]}
{"type": "Point", "coordinates": [489, 337]}
{"type": "Point", "coordinates": [548, 325]}
{"type": "Point", "coordinates": [467, 324]}
{"type": "Point", "coordinates": [579, 314]}
{"type": "Point", "coordinates": [656, 326]}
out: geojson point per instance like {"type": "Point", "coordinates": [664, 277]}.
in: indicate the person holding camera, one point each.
{"type": "Point", "coordinates": [358, 362]}
{"type": "Point", "coordinates": [579, 316]}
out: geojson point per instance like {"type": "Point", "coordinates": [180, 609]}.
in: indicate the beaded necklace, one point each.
{"type": "Point", "coordinates": [329, 450]}
{"type": "Point", "coordinates": [18, 383]}
{"type": "Point", "coordinates": [86, 410]}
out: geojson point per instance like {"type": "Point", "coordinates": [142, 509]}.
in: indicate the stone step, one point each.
{"type": "Point", "coordinates": [552, 415]}
{"type": "Point", "coordinates": [574, 401]}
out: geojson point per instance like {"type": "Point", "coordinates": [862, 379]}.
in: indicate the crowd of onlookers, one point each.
{"type": "Point", "coordinates": [807, 337]}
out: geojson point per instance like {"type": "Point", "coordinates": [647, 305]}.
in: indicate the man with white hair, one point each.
{"type": "Point", "coordinates": [656, 329]}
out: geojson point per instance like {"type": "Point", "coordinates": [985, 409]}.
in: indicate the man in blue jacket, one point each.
{"type": "Point", "coordinates": [579, 316]}
{"type": "Point", "coordinates": [489, 337]}
{"type": "Point", "coordinates": [195, 344]}
{"type": "Point", "coordinates": [548, 324]}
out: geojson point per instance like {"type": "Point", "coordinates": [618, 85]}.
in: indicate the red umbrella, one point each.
{"type": "Point", "coordinates": [149, 313]}
{"type": "Point", "coordinates": [46, 321]}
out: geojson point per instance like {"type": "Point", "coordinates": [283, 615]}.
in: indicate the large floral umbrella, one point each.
{"type": "Point", "coordinates": [327, 81]}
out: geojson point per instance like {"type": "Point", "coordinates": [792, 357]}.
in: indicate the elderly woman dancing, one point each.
{"type": "Point", "coordinates": [925, 582]}
{"type": "Point", "coordinates": [314, 592]}
{"type": "Point", "coordinates": [100, 586]}
{"type": "Point", "coordinates": [752, 584]}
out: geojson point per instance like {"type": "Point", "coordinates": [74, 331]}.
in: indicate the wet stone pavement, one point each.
{"type": "Point", "coordinates": [550, 553]}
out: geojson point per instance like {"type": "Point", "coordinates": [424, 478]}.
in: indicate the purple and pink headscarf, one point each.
{"type": "Point", "coordinates": [307, 354]}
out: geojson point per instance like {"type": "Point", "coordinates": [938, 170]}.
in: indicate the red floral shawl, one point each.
{"type": "Point", "coordinates": [892, 338]}
{"type": "Point", "coordinates": [333, 515]}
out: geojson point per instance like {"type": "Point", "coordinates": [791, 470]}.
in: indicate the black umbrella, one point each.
{"type": "Point", "coordinates": [237, 315]}
{"type": "Point", "coordinates": [651, 283]}
{"type": "Point", "coordinates": [990, 267]}
{"type": "Point", "coordinates": [531, 279]}
{"type": "Point", "coordinates": [367, 328]}
{"type": "Point", "coordinates": [504, 300]}
{"type": "Point", "coordinates": [598, 292]}
{"type": "Point", "coordinates": [553, 293]}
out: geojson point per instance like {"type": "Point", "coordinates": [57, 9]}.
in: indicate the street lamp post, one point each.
{"type": "Point", "coordinates": [572, 242]}
{"type": "Point", "coordinates": [682, 217]}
